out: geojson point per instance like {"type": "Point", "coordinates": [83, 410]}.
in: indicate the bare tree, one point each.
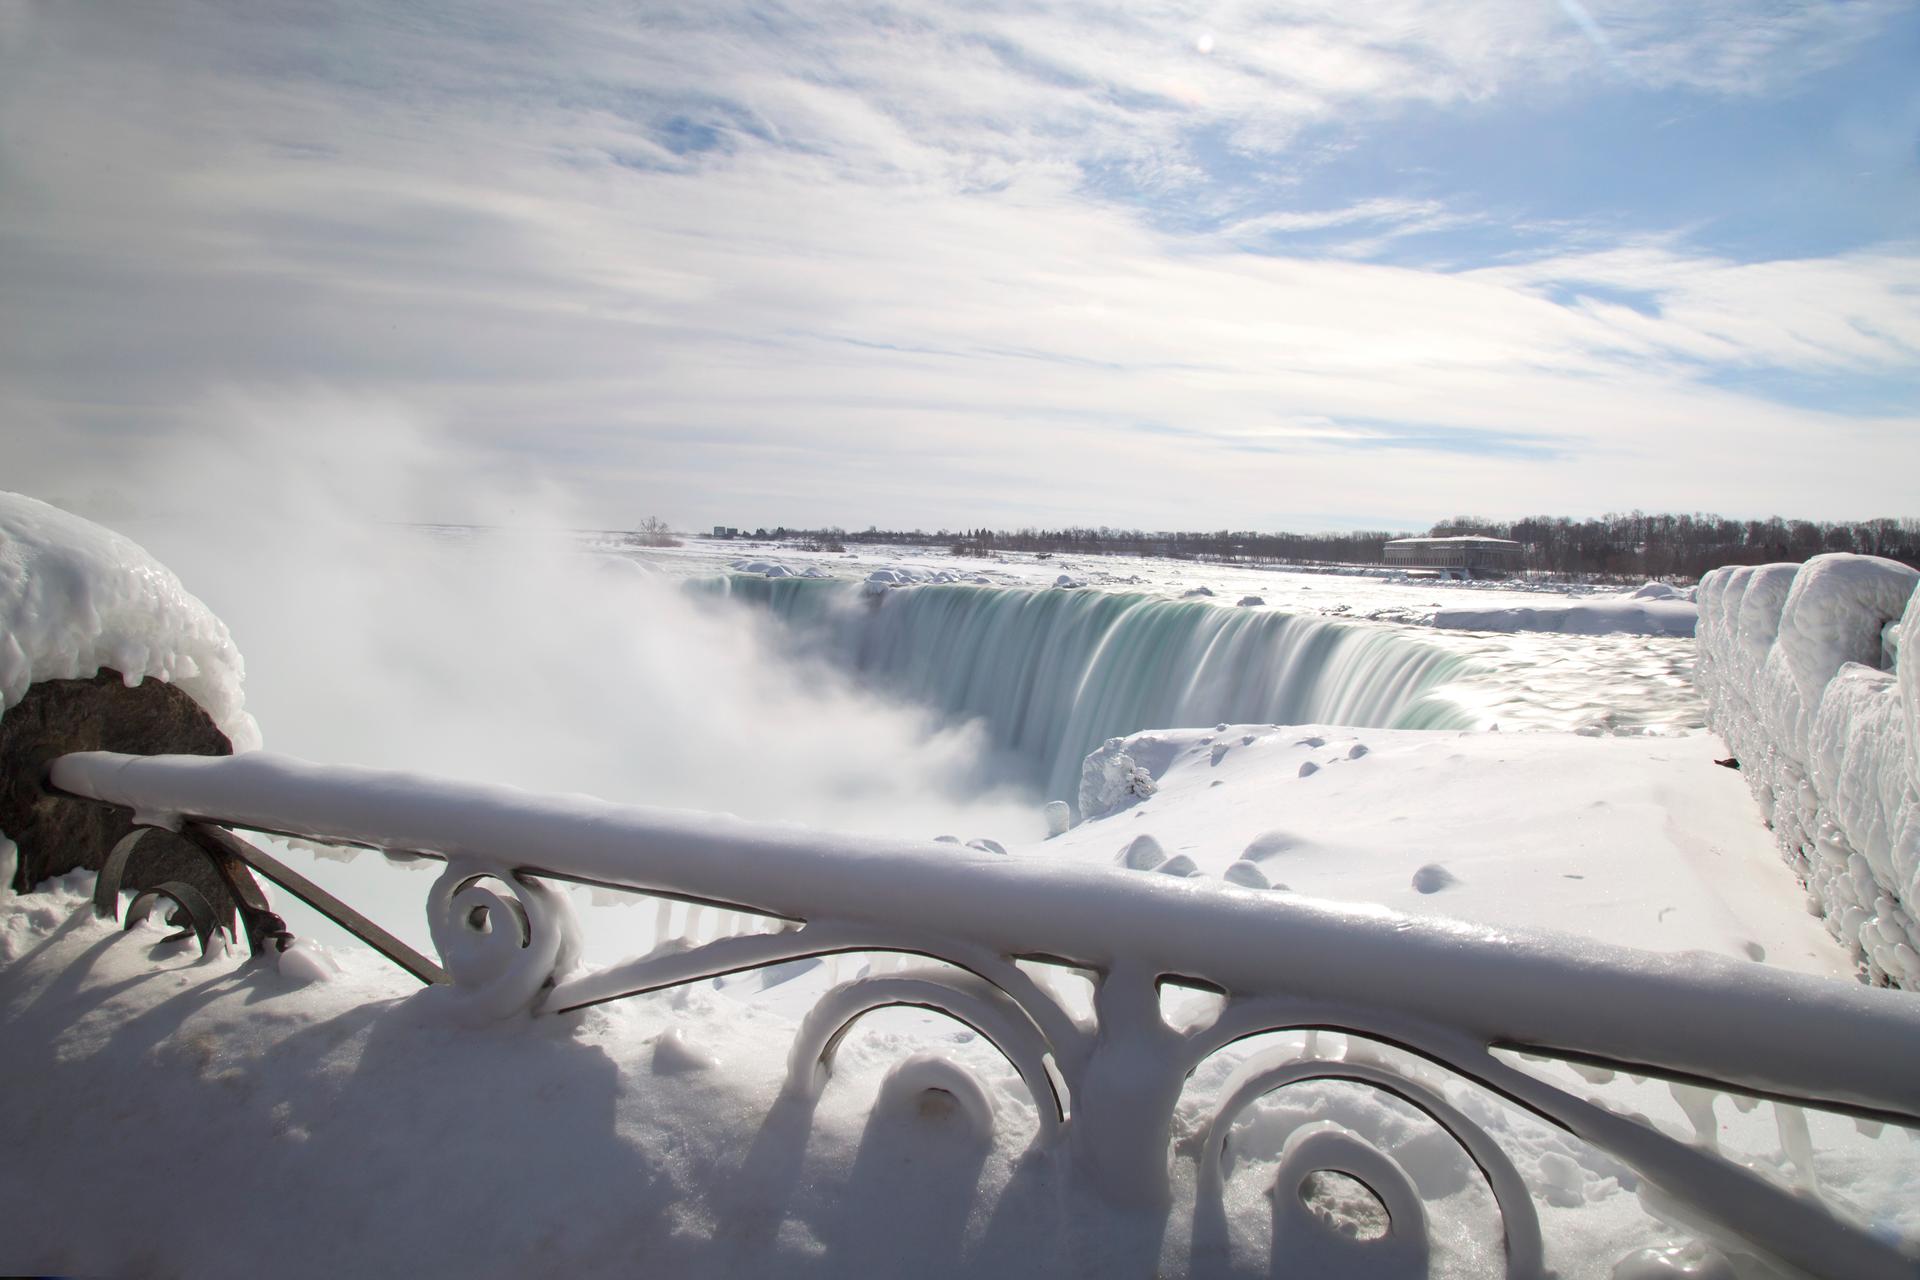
{"type": "Point", "coordinates": [653, 532]}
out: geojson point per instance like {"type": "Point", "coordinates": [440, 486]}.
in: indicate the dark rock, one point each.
{"type": "Point", "coordinates": [57, 834]}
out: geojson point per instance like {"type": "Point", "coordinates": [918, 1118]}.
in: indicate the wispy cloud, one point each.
{"type": "Point", "coordinates": [841, 263]}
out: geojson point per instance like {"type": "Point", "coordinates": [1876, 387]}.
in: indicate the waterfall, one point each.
{"type": "Point", "coordinates": [1054, 673]}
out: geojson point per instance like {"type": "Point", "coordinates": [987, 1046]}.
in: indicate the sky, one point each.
{"type": "Point", "coordinates": [1282, 265]}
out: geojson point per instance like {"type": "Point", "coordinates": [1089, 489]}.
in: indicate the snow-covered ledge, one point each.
{"type": "Point", "coordinates": [1416, 994]}
{"type": "Point", "coordinates": [1812, 675]}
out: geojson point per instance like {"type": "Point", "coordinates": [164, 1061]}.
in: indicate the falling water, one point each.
{"type": "Point", "coordinates": [1054, 673]}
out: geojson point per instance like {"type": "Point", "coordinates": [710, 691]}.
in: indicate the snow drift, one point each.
{"type": "Point", "coordinates": [1655, 609]}
{"type": "Point", "coordinates": [1812, 674]}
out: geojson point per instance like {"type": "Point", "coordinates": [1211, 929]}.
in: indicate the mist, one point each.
{"type": "Point", "coordinates": [509, 654]}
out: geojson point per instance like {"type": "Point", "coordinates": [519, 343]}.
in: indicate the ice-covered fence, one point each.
{"type": "Point", "coordinates": [1812, 674]}
{"type": "Point", "coordinates": [1472, 1000]}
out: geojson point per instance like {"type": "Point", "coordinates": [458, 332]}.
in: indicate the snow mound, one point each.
{"type": "Point", "coordinates": [75, 598]}
{"type": "Point", "coordinates": [1653, 610]}
{"type": "Point", "coordinates": [1812, 675]}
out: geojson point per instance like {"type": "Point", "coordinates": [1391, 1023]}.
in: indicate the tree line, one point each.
{"type": "Point", "coordinates": [1636, 544]}
{"type": "Point", "coordinates": [1631, 545]}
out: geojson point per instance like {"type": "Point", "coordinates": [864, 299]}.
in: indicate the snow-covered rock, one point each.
{"type": "Point", "coordinates": [1809, 673]}
{"type": "Point", "coordinates": [1111, 780]}
{"type": "Point", "coordinates": [76, 598]}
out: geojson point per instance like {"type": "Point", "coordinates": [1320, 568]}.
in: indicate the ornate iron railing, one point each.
{"type": "Point", "coordinates": [1411, 994]}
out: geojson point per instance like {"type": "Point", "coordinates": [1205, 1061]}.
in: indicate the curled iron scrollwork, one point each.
{"type": "Point", "coordinates": [503, 938]}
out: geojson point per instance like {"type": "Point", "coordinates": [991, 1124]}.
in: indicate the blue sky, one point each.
{"type": "Point", "coordinates": [1169, 265]}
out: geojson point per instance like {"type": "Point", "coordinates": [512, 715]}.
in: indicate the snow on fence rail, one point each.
{"type": "Point", "coordinates": [1418, 998]}
{"type": "Point", "coordinates": [1812, 675]}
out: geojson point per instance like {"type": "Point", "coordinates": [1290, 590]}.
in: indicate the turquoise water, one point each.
{"type": "Point", "coordinates": [1054, 673]}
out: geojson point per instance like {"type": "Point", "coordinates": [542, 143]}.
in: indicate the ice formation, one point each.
{"type": "Point", "coordinates": [76, 598]}
{"type": "Point", "coordinates": [1812, 674]}
{"type": "Point", "coordinates": [1110, 780]}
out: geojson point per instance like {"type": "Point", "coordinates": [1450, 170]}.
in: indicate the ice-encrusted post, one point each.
{"type": "Point", "coordinates": [1123, 1110]}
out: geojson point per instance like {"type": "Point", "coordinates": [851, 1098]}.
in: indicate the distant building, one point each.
{"type": "Point", "coordinates": [1468, 557]}
{"type": "Point", "coordinates": [725, 531]}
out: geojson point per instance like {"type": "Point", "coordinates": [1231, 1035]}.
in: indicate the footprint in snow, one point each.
{"type": "Point", "coordinates": [1308, 768]}
{"type": "Point", "coordinates": [1433, 877]}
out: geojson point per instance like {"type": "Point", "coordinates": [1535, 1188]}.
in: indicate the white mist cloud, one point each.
{"type": "Point", "coordinates": [513, 657]}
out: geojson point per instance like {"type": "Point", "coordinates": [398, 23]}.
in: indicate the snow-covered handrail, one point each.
{"type": "Point", "coordinates": [1468, 998]}
{"type": "Point", "coordinates": [1812, 675]}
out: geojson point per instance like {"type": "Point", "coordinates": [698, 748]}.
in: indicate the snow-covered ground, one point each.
{"type": "Point", "coordinates": [1640, 841]}
{"type": "Point", "coordinates": [316, 1113]}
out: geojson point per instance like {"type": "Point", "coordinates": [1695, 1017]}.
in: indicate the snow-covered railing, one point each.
{"type": "Point", "coordinates": [1415, 999]}
{"type": "Point", "coordinates": [1812, 675]}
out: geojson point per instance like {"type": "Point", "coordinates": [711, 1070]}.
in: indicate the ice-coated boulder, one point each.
{"type": "Point", "coordinates": [1111, 780]}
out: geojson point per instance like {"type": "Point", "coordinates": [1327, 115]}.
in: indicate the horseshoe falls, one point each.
{"type": "Point", "coordinates": [1054, 673]}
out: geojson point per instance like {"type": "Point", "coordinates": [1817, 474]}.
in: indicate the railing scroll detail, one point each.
{"type": "Point", "coordinates": [1425, 1006]}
